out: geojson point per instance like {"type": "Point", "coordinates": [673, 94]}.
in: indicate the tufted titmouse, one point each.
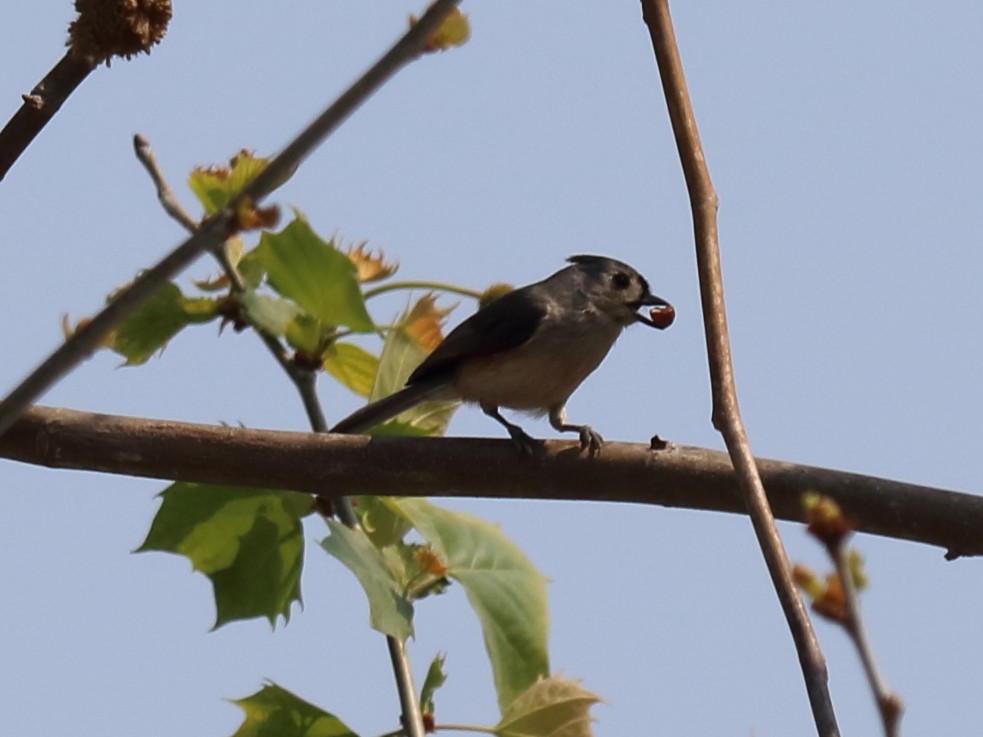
{"type": "Point", "coordinates": [529, 349]}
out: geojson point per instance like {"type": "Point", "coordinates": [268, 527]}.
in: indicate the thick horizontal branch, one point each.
{"type": "Point", "coordinates": [335, 465]}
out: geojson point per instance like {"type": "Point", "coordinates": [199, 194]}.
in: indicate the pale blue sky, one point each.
{"type": "Point", "coordinates": [844, 142]}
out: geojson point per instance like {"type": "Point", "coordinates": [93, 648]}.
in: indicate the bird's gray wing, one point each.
{"type": "Point", "coordinates": [505, 323]}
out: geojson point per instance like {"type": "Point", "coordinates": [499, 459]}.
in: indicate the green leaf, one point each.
{"type": "Point", "coordinates": [382, 519]}
{"type": "Point", "coordinates": [315, 275]}
{"type": "Point", "coordinates": [390, 612]}
{"type": "Point", "coordinates": [436, 677]}
{"type": "Point", "coordinates": [306, 334]}
{"type": "Point", "coordinates": [551, 707]}
{"type": "Point", "coordinates": [216, 186]}
{"type": "Point", "coordinates": [147, 330]}
{"type": "Point", "coordinates": [251, 269]}
{"type": "Point", "coordinates": [275, 712]}
{"type": "Point", "coordinates": [354, 367]}
{"type": "Point", "coordinates": [249, 542]}
{"type": "Point", "coordinates": [269, 314]}
{"type": "Point", "coordinates": [505, 590]}
{"type": "Point", "coordinates": [400, 355]}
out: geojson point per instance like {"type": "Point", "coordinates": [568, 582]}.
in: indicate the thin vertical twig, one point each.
{"type": "Point", "coordinates": [213, 231]}
{"type": "Point", "coordinates": [889, 704]}
{"type": "Point", "coordinates": [726, 413]}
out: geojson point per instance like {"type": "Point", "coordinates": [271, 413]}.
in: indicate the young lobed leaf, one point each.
{"type": "Point", "coordinates": [275, 712]}
{"type": "Point", "coordinates": [405, 347]}
{"type": "Point", "coordinates": [314, 274]}
{"type": "Point", "coordinates": [305, 334]}
{"type": "Point", "coordinates": [249, 542]}
{"type": "Point", "coordinates": [382, 520]}
{"type": "Point", "coordinates": [503, 587]}
{"type": "Point", "coordinates": [148, 328]}
{"type": "Point", "coordinates": [551, 707]}
{"type": "Point", "coordinates": [270, 314]}
{"type": "Point", "coordinates": [353, 367]}
{"type": "Point", "coordinates": [390, 611]}
{"type": "Point", "coordinates": [215, 186]}
{"type": "Point", "coordinates": [436, 677]}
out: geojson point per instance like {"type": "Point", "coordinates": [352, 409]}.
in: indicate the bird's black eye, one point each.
{"type": "Point", "coordinates": [621, 280]}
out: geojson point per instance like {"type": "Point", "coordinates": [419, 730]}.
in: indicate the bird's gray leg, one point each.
{"type": "Point", "coordinates": [590, 439]}
{"type": "Point", "coordinates": [519, 437]}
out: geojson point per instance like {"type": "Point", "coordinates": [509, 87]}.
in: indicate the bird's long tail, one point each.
{"type": "Point", "coordinates": [388, 407]}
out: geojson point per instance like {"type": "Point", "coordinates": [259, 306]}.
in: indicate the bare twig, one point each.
{"type": "Point", "coordinates": [145, 155]}
{"type": "Point", "coordinates": [305, 382]}
{"type": "Point", "coordinates": [726, 413]}
{"type": "Point", "coordinates": [40, 106]}
{"type": "Point", "coordinates": [836, 597]}
{"type": "Point", "coordinates": [334, 465]}
{"type": "Point", "coordinates": [888, 703]}
{"type": "Point", "coordinates": [214, 230]}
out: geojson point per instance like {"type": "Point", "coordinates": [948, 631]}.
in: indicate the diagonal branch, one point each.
{"type": "Point", "coordinates": [726, 413]}
{"type": "Point", "coordinates": [334, 465]}
{"type": "Point", "coordinates": [214, 230]}
{"type": "Point", "coordinates": [40, 106]}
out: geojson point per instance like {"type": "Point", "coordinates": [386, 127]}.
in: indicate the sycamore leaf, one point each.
{"type": "Point", "coordinates": [382, 519]}
{"type": "Point", "coordinates": [315, 275]}
{"type": "Point", "coordinates": [215, 186]}
{"type": "Point", "coordinates": [503, 587]}
{"type": "Point", "coordinates": [401, 353]}
{"type": "Point", "coordinates": [275, 712]}
{"type": "Point", "coordinates": [305, 334]}
{"type": "Point", "coordinates": [249, 542]}
{"type": "Point", "coordinates": [234, 247]}
{"type": "Point", "coordinates": [251, 269]}
{"type": "Point", "coordinates": [436, 677]}
{"type": "Point", "coordinates": [148, 328]}
{"type": "Point", "coordinates": [270, 314]}
{"type": "Point", "coordinates": [390, 612]}
{"type": "Point", "coordinates": [551, 707]}
{"type": "Point", "coordinates": [354, 367]}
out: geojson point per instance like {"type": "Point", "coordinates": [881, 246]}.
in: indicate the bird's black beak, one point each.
{"type": "Point", "coordinates": [660, 316]}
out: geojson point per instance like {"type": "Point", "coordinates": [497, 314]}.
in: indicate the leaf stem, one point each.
{"type": "Point", "coordinates": [433, 286]}
{"type": "Point", "coordinates": [463, 728]}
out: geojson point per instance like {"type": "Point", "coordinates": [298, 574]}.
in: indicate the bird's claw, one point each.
{"type": "Point", "coordinates": [590, 439]}
{"type": "Point", "coordinates": [526, 443]}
